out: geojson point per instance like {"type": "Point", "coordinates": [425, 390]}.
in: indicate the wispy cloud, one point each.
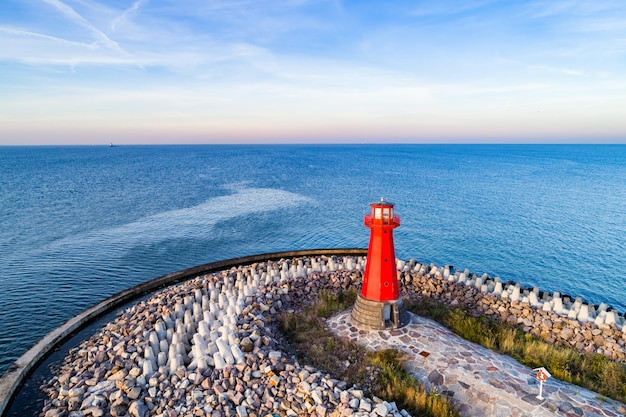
{"type": "Point", "coordinates": [269, 64]}
{"type": "Point", "coordinates": [126, 13]}
{"type": "Point", "coordinates": [75, 17]}
{"type": "Point", "coordinates": [565, 71]}
{"type": "Point", "coordinates": [544, 68]}
{"type": "Point", "coordinates": [556, 8]}
{"type": "Point", "coordinates": [25, 33]}
{"type": "Point", "coordinates": [579, 17]}
{"type": "Point", "coordinates": [448, 7]}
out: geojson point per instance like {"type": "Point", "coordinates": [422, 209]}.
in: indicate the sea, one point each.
{"type": "Point", "coordinates": [81, 223]}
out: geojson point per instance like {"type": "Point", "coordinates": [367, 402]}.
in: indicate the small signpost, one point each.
{"type": "Point", "coordinates": [542, 375]}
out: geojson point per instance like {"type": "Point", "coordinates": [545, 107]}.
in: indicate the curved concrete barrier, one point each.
{"type": "Point", "coordinates": [20, 369]}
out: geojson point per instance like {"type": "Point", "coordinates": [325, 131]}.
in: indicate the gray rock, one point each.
{"type": "Point", "coordinates": [75, 392]}
{"type": "Point", "coordinates": [354, 403]}
{"type": "Point", "coordinates": [118, 376]}
{"type": "Point", "coordinates": [118, 410]}
{"type": "Point", "coordinates": [381, 409]}
{"type": "Point", "coordinates": [95, 400]}
{"type": "Point", "coordinates": [73, 404]}
{"type": "Point", "coordinates": [101, 387]}
{"type": "Point", "coordinates": [137, 409]}
{"type": "Point", "coordinates": [242, 411]}
{"type": "Point", "coordinates": [321, 410]}
{"type": "Point", "coordinates": [133, 393]}
{"type": "Point", "coordinates": [94, 411]}
{"type": "Point", "coordinates": [317, 397]}
{"type": "Point", "coordinates": [365, 405]}
{"type": "Point", "coordinates": [54, 412]}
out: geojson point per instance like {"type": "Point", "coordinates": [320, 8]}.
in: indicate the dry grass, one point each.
{"type": "Point", "coordinates": [319, 348]}
{"type": "Point", "coordinates": [382, 374]}
{"type": "Point", "coordinates": [596, 372]}
{"type": "Point", "coordinates": [396, 384]}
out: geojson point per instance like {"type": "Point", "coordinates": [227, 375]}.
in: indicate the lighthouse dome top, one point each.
{"type": "Point", "coordinates": [381, 214]}
{"type": "Point", "coordinates": [381, 203]}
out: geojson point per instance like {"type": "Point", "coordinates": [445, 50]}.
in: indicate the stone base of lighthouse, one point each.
{"type": "Point", "coordinates": [379, 315]}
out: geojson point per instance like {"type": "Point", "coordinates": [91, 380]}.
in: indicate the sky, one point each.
{"type": "Point", "coordinates": [302, 71]}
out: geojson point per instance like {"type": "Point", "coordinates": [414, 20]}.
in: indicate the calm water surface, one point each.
{"type": "Point", "coordinates": [78, 224]}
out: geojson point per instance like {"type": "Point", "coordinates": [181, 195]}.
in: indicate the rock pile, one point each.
{"type": "Point", "coordinates": [207, 348]}
{"type": "Point", "coordinates": [555, 318]}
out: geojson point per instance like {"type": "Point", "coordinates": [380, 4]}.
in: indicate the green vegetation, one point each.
{"type": "Point", "coordinates": [382, 374]}
{"type": "Point", "coordinates": [319, 348]}
{"type": "Point", "coordinates": [396, 384]}
{"type": "Point", "coordinates": [596, 372]}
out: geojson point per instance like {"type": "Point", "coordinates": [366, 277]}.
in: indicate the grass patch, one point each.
{"type": "Point", "coordinates": [382, 374]}
{"type": "Point", "coordinates": [396, 384]}
{"type": "Point", "coordinates": [331, 303]}
{"type": "Point", "coordinates": [596, 372]}
{"type": "Point", "coordinates": [316, 346]}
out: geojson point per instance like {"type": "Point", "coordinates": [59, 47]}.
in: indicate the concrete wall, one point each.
{"type": "Point", "coordinates": [21, 368]}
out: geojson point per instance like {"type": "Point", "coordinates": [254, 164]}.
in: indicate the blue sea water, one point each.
{"type": "Point", "coordinates": [78, 224]}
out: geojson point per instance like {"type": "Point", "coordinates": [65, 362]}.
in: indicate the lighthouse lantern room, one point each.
{"type": "Point", "coordinates": [379, 304]}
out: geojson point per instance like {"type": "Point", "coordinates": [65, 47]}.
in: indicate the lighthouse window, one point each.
{"type": "Point", "coordinates": [385, 215]}
{"type": "Point", "coordinates": [377, 213]}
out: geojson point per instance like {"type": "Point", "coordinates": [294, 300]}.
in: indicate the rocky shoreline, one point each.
{"type": "Point", "coordinates": [557, 319]}
{"type": "Point", "coordinates": [209, 346]}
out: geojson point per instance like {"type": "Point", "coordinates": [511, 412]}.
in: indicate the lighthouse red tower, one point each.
{"type": "Point", "coordinates": [379, 305]}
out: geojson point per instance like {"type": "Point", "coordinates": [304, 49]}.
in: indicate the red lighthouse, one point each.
{"type": "Point", "coordinates": [379, 305]}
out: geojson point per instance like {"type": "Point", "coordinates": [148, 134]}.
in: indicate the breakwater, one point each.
{"type": "Point", "coordinates": [555, 318]}
{"type": "Point", "coordinates": [26, 363]}
{"type": "Point", "coordinates": [209, 347]}
{"type": "Point", "coordinates": [209, 343]}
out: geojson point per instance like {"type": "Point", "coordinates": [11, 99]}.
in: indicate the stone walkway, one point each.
{"type": "Point", "coordinates": [481, 382]}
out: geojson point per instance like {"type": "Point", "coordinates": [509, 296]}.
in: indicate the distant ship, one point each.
{"type": "Point", "coordinates": [111, 145]}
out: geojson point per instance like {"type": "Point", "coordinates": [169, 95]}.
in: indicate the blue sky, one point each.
{"type": "Point", "coordinates": [213, 71]}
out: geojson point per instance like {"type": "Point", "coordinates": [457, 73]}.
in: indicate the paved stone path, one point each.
{"type": "Point", "coordinates": [481, 382]}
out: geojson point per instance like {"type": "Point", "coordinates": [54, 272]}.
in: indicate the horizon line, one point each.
{"type": "Point", "coordinates": [477, 143]}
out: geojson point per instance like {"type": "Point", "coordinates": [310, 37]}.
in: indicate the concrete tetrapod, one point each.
{"type": "Point", "coordinates": [20, 369]}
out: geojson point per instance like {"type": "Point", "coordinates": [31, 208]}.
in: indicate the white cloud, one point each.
{"type": "Point", "coordinates": [27, 34]}
{"type": "Point", "coordinates": [448, 7]}
{"type": "Point", "coordinates": [229, 66]}
{"type": "Point", "coordinates": [584, 8]}
{"type": "Point", "coordinates": [126, 13]}
{"type": "Point", "coordinates": [70, 13]}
